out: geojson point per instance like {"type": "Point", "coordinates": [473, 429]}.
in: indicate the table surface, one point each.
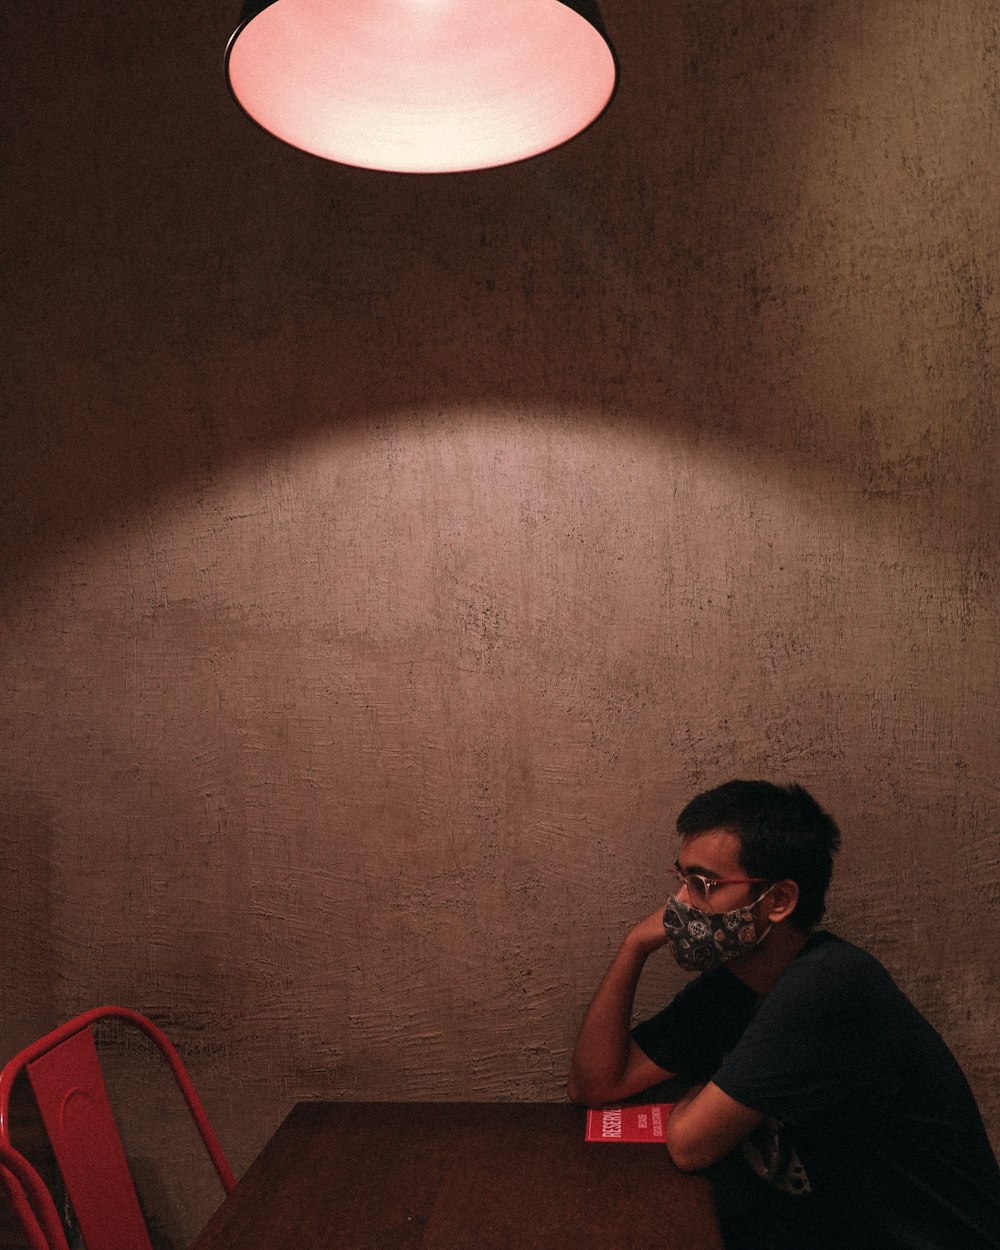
{"type": "Point", "coordinates": [458, 1176]}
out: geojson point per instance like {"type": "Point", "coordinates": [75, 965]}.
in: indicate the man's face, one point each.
{"type": "Point", "coordinates": [715, 855]}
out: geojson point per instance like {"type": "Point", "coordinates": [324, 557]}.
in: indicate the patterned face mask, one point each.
{"type": "Point", "coordinates": [701, 940]}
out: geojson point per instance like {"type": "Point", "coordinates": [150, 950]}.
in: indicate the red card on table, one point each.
{"type": "Point", "coordinates": [639, 1122]}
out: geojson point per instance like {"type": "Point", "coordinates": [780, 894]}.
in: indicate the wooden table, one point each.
{"type": "Point", "coordinates": [458, 1176]}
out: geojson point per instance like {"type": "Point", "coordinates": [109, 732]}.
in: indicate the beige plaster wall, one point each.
{"type": "Point", "coordinates": [385, 560]}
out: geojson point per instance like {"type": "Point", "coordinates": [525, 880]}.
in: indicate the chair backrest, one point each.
{"type": "Point", "coordinates": [31, 1202]}
{"type": "Point", "coordinates": [65, 1075]}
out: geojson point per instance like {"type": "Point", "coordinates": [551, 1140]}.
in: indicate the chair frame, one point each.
{"type": "Point", "coordinates": [31, 1201]}
{"type": "Point", "coordinates": [23, 1185]}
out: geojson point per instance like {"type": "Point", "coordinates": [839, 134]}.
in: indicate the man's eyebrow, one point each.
{"type": "Point", "coordinates": [700, 869]}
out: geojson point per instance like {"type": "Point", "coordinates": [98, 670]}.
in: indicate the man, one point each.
{"type": "Point", "coordinates": [806, 1059]}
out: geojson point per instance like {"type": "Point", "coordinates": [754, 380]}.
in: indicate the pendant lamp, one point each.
{"type": "Point", "coordinates": [422, 86]}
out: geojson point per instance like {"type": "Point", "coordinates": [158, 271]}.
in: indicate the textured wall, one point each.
{"type": "Point", "coordinates": [385, 560]}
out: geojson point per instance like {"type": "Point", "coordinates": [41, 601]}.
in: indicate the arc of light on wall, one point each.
{"type": "Point", "coordinates": [422, 86]}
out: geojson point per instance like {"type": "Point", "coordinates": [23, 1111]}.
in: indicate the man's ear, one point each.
{"type": "Point", "coordinates": [783, 897]}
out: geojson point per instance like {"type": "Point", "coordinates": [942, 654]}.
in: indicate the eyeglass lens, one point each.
{"type": "Point", "coordinates": [697, 886]}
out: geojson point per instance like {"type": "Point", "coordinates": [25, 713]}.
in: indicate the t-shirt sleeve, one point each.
{"type": "Point", "coordinates": [693, 1033]}
{"type": "Point", "coordinates": [798, 1057]}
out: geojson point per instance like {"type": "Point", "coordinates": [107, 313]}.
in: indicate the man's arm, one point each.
{"type": "Point", "coordinates": [705, 1126]}
{"type": "Point", "coordinates": [607, 1065]}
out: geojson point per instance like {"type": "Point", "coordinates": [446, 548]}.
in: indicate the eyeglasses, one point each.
{"type": "Point", "coordinates": [700, 887]}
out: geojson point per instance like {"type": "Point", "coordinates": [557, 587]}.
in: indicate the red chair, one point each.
{"type": "Point", "coordinates": [31, 1202]}
{"type": "Point", "coordinates": [66, 1079]}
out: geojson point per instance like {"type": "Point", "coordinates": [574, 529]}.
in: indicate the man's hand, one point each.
{"type": "Point", "coordinates": [607, 1065]}
{"type": "Point", "coordinates": [649, 934]}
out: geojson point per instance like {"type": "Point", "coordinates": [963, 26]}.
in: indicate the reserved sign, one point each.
{"type": "Point", "coordinates": [638, 1122]}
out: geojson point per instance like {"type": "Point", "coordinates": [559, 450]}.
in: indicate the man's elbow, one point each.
{"type": "Point", "coordinates": [684, 1159]}
{"type": "Point", "coordinates": [575, 1093]}
{"type": "Point", "coordinates": [579, 1092]}
{"type": "Point", "coordinates": [588, 1093]}
{"type": "Point", "coordinates": [688, 1153]}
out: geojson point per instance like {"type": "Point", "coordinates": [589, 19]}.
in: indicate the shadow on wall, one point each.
{"type": "Point", "coordinates": [764, 246]}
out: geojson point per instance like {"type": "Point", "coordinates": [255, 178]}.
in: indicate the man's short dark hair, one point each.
{"type": "Point", "coordinates": [783, 832]}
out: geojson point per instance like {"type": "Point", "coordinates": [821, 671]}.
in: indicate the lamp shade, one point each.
{"type": "Point", "coordinates": [422, 86]}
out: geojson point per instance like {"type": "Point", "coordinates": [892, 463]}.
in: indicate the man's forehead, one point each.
{"type": "Point", "coordinates": [715, 851]}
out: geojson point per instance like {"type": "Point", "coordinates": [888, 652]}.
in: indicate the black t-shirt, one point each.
{"type": "Point", "coordinates": [871, 1130]}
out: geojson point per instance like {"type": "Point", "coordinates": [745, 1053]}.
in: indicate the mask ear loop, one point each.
{"type": "Point", "coordinates": [760, 898]}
